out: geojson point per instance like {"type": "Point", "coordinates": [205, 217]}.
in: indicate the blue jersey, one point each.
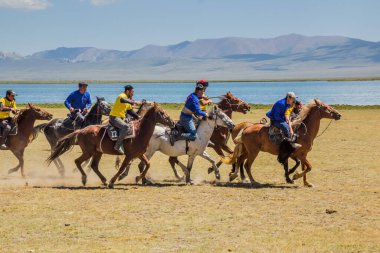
{"type": "Point", "coordinates": [78, 100]}
{"type": "Point", "coordinates": [278, 110]}
{"type": "Point", "coordinates": [192, 103]}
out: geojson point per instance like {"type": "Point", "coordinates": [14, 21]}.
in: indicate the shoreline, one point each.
{"type": "Point", "coordinates": [348, 79]}
{"type": "Point", "coordinates": [178, 106]}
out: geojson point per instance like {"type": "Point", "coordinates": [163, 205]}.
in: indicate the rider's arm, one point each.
{"type": "Point", "coordinates": [3, 108]}
{"type": "Point", "coordinates": [89, 102]}
{"type": "Point", "coordinates": [197, 109]}
{"type": "Point", "coordinates": [68, 101]}
{"type": "Point", "coordinates": [133, 114]}
{"type": "Point", "coordinates": [126, 100]}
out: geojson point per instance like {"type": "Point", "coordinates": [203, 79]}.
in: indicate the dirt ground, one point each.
{"type": "Point", "coordinates": [45, 213]}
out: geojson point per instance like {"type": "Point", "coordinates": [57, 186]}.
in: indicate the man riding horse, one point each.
{"type": "Point", "coordinates": [7, 105]}
{"type": "Point", "coordinates": [279, 117]}
{"type": "Point", "coordinates": [78, 103]}
{"type": "Point", "coordinates": [122, 108]}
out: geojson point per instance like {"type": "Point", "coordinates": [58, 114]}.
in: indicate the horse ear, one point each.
{"type": "Point", "coordinates": [97, 98]}
{"type": "Point", "coordinates": [316, 101]}
{"type": "Point", "coordinates": [30, 105]}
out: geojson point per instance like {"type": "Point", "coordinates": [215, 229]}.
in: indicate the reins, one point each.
{"type": "Point", "coordinates": [325, 129]}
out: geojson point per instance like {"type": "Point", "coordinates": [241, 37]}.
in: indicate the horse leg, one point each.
{"type": "Point", "coordinates": [61, 169]}
{"type": "Point", "coordinates": [306, 167]}
{"type": "Point", "coordinates": [145, 160]}
{"type": "Point", "coordinates": [126, 171]}
{"type": "Point", "coordinates": [298, 162]}
{"type": "Point", "coordinates": [19, 154]}
{"type": "Point", "coordinates": [252, 154]}
{"type": "Point", "coordinates": [286, 169]}
{"type": "Point", "coordinates": [78, 163]}
{"type": "Point", "coordinates": [206, 156]}
{"type": "Point", "coordinates": [173, 161]}
{"type": "Point", "coordinates": [234, 172]}
{"type": "Point", "coordinates": [189, 166]}
{"type": "Point", "coordinates": [95, 166]}
{"type": "Point", "coordinates": [126, 161]}
{"type": "Point", "coordinates": [219, 151]}
{"type": "Point", "coordinates": [117, 162]}
{"type": "Point", "coordinates": [88, 164]}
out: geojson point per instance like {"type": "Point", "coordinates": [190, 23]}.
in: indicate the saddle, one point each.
{"type": "Point", "coordinates": [70, 123]}
{"type": "Point", "coordinates": [176, 131]}
{"type": "Point", "coordinates": [275, 134]}
{"type": "Point", "coordinates": [113, 132]}
{"type": "Point", "coordinates": [13, 131]}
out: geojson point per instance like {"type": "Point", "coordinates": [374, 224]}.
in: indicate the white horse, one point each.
{"type": "Point", "coordinates": [160, 142]}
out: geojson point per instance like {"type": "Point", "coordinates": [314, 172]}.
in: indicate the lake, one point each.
{"type": "Point", "coordinates": [330, 92]}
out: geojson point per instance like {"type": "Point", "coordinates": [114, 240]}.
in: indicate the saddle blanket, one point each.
{"type": "Point", "coordinates": [113, 132]}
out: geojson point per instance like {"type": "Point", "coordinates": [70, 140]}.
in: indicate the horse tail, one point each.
{"type": "Point", "coordinates": [37, 130]}
{"type": "Point", "coordinates": [238, 150]}
{"type": "Point", "coordinates": [64, 144]}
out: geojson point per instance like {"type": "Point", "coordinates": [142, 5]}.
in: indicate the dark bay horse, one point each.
{"type": "Point", "coordinates": [25, 120]}
{"type": "Point", "coordinates": [55, 129]}
{"type": "Point", "coordinates": [254, 138]}
{"type": "Point", "coordinates": [94, 142]}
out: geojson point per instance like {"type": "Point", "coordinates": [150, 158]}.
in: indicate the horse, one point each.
{"type": "Point", "coordinates": [160, 142]}
{"type": "Point", "coordinates": [94, 142]}
{"type": "Point", "coordinates": [17, 143]}
{"type": "Point", "coordinates": [55, 129]}
{"type": "Point", "coordinates": [218, 141]}
{"type": "Point", "coordinates": [255, 138]}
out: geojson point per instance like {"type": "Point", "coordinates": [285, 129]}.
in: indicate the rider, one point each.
{"type": "Point", "coordinates": [7, 105]}
{"type": "Point", "coordinates": [280, 115]}
{"type": "Point", "coordinates": [79, 102]}
{"type": "Point", "coordinates": [204, 100]}
{"type": "Point", "coordinates": [122, 107]}
{"type": "Point", "coordinates": [186, 119]}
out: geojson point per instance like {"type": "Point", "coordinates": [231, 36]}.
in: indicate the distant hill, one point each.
{"type": "Point", "coordinates": [288, 56]}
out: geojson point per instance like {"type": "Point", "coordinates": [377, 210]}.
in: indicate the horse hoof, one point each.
{"type": "Point", "coordinates": [308, 185]}
{"type": "Point", "coordinates": [110, 186]}
{"type": "Point", "coordinates": [296, 176]}
{"type": "Point", "coordinates": [232, 177]}
{"type": "Point", "coordinates": [137, 179]}
{"type": "Point", "coordinates": [84, 181]}
{"type": "Point", "coordinates": [11, 171]}
{"type": "Point", "coordinates": [217, 176]}
{"type": "Point", "coordinates": [210, 170]}
{"type": "Point", "coordinates": [147, 182]}
{"type": "Point", "coordinates": [289, 181]}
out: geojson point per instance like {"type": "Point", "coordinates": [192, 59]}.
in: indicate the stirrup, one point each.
{"type": "Point", "coordinates": [3, 147]}
{"type": "Point", "coordinates": [119, 150]}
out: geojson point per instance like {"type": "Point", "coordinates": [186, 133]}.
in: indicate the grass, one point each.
{"type": "Point", "coordinates": [45, 213]}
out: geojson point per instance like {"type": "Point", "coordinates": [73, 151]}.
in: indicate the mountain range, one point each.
{"type": "Point", "coordinates": [288, 56]}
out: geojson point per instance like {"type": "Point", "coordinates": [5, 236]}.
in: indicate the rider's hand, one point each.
{"type": "Point", "coordinates": [85, 110]}
{"type": "Point", "coordinates": [209, 101]}
{"type": "Point", "coordinates": [138, 103]}
{"type": "Point", "coordinates": [14, 110]}
{"type": "Point", "coordinates": [72, 109]}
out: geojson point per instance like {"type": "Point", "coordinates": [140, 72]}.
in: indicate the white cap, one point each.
{"type": "Point", "coordinates": [291, 94]}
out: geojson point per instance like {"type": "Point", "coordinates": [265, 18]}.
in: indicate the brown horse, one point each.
{"type": "Point", "coordinates": [94, 142]}
{"type": "Point", "coordinates": [25, 120]}
{"type": "Point", "coordinates": [228, 104]}
{"type": "Point", "coordinates": [254, 138]}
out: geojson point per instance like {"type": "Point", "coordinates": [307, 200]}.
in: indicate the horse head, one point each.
{"type": "Point", "coordinates": [220, 118]}
{"type": "Point", "coordinates": [234, 103]}
{"type": "Point", "coordinates": [161, 116]}
{"type": "Point", "coordinates": [38, 113]}
{"type": "Point", "coordinates": [327, 111]}
{"type": "Point", "coordinates": [103, 107]}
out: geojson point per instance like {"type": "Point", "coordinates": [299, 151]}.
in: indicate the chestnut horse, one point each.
{"type": "Point", "coordinates": [25, 120]}
{"type": "Point", "coordinates": [94, 142]}
{"type": "Point", "coordinates": [254, 138]}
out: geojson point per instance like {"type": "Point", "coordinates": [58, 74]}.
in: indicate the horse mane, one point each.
{"type": "Point", "coordinates": [305, 112]}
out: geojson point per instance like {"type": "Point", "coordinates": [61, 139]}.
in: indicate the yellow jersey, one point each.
{"type": "Point", "coordinates": [201, 106]}
{"type": "Point", "coordinates": [289, 111]}
{"type": "Point", "coordinates": [119, 109]}
{"type": "Point", "coordinates": [9, 104]}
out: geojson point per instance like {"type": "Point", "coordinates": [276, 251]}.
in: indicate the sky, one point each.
{"type": "Point", "coordinates": [29, 26]}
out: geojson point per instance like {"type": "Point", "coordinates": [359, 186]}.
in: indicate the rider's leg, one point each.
{"type": "Point", "coordinates": [123, 127]}
{"type": "Point", "coordinates": [189, 126]}
{"type": "Point", "coordinates": [6, 129]}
